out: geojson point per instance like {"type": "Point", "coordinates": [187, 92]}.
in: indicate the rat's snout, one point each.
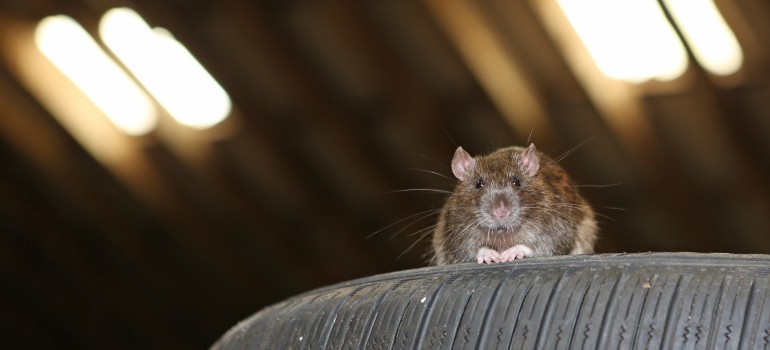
{"type": "Point", "coordinates": [501, 205]}
{"type": "Point", "coordinates": [502, 211]}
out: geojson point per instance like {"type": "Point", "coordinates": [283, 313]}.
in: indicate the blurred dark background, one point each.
{"type": "Point", "coordinates": [181, 233]}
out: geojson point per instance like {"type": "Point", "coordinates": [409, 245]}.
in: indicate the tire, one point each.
{"type": "Point", "coordinates": [639, 301]}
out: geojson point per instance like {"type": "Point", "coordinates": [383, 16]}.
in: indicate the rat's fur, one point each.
{"type": "Point", "coordinates": [547, 214]}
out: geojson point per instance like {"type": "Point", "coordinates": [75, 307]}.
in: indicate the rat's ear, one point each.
{"type": "Point", "coordinates": [530, 160]}
{"type": "Point", "coordinates": [462, 164]}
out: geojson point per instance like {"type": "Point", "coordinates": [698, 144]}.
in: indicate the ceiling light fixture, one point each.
{"type": "Point", "coordinates": [75, 53]}
{"type": "Point", "coordinates": [166, 69]}
{"type": "Point", "coordinates": [628, 40]}
{"type": "Point", "coordinates": [712, 41]}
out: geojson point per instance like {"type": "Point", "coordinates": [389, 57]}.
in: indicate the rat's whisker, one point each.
{"type": "Point", "coordinates": [429, 172]}
{"type": "Point", "coordinates": [530, 135]}
{"type": "Point", "coordinates": [590, 206]}
{"type": "Point", "coordinates": [414, 222]}
{"type": "Point", "coordinates": [434, 190]}
{"type": "Point", "coordinates": [429, 212]}
{"type": "Point", "coordinates": [571, 150]}
{"type": "Point", "coordinates": [431, 159]}
{"type": "Point", "coordinates": [572, 206]}
{"type": "Point", "coordinates": [429, 228]}
{"type": "Point", "coordinates": [475, 224]}
{"type": "Point", "coordinates": [597, 186]}
{"type": "Point", "coordinates": [414, 244]}
{"type": "Point", "coordinates": [609, 208]}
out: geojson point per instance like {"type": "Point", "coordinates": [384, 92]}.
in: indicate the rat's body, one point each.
{"type": "Point", "coordinates": [511, 204]}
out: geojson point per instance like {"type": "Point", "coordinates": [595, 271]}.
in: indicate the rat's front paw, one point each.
{"type": "Point", "coordinates": [518, 251]}
{"type": "Point", "coordinates": [487, 256]}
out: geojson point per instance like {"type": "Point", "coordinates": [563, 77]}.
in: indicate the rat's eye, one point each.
{"type": "Point", "coordinates": [516, 181]}
{"type": "Point", "coordinates": [480, 183]}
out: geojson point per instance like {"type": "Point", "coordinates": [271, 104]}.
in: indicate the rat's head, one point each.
{"type": "Point", "coordinates": [500, 188]}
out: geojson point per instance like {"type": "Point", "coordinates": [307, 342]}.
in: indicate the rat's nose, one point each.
{"type": "Point", "coordinates": [501, 207]}
{"type": "Point", "coordinates": [501, 211]}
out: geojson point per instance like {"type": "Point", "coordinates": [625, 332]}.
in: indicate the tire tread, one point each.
{"type": "Point", "coordinates": [614, 301]}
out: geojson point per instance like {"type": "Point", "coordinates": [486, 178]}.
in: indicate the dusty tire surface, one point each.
{"type": "Point", "coordinates": [618, 301]}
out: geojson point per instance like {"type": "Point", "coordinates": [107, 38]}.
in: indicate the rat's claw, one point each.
{"type": "Point", "coordinates": [487, 256]}
{"type": "Point", "coordinates": [518, 251]}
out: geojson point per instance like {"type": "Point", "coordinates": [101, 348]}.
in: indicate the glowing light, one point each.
{"type": "Point", "coordinates": [166, 69]}
{"type": "Point", "coordinates": [712, 42]}
{"type": "Point", "coordinates": [75, 53]}
{"type": "Point", "coordinates": [628, 40]}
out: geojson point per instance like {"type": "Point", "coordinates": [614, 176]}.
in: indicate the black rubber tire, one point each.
{"type": "Point", "coordinates": [639, 301]}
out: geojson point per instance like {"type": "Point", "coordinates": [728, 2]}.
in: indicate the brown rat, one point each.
{"type": "Point", "coordinates": [513, 203]}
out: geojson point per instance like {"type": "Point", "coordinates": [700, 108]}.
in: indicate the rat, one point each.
{"type": "Point", "coordinates": [513, 203]}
